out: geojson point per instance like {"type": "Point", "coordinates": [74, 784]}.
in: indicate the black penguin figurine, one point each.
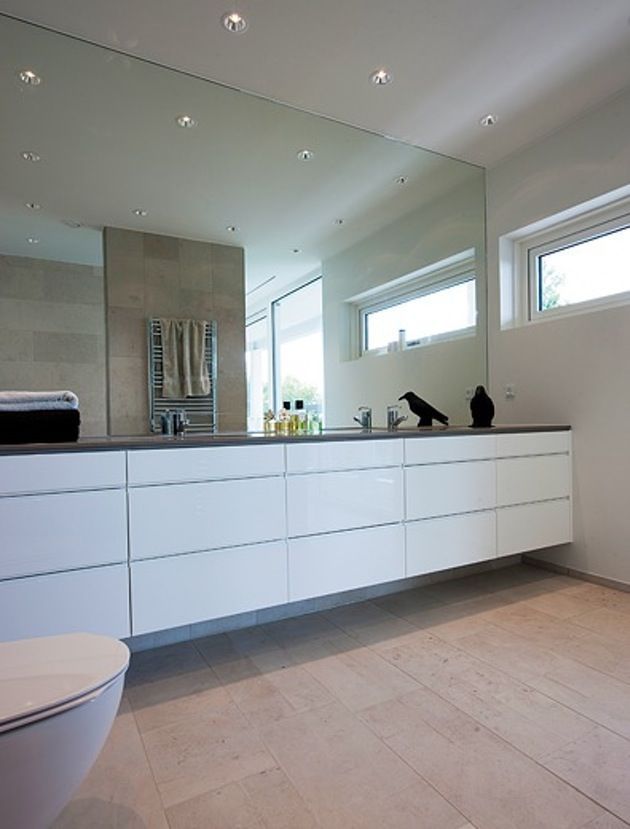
{"type": "Point", "coordinates": [482, 409]}
{"type": "Point", "coordinates": [425, 411]}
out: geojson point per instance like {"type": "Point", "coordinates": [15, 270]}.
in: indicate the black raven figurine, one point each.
{"type": "Point", "coordinates": [482, 409]}
{"type": "Point", "coordinates": [424, 410]}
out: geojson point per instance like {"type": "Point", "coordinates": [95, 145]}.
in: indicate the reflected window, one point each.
{"type": "Point", "coordinates": [299, 347]}
{"type": "Point", "coordinates": [257, 362]}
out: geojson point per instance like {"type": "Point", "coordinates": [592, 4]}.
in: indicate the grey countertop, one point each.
{"type": "Point", "coordinates": [92, 444]}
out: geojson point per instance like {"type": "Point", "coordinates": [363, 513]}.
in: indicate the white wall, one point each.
{"type": "Point", "coordinates": [572, 370]}
{"type": "Point", "coordinates": [440, 372]}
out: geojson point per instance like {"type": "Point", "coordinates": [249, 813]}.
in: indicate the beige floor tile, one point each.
{"type": "Point", "coordinates": [451, 621]}
{"type": "Point", "coordinates": [537, 627]}
{"type": "Point", "coordinates": [486, 779]}
{"type": "Point", "coordinates": [607, 622]}
{"type": "Point", "coordinates": [334, 761]}
{"type": "Point", "coordinates": [599, 765]}
{"type": "Point", "coordinates": [311, 627]}
{"type": "Point", "coordinates": [119, 792]}
{"type": "Point", "coordinates": [607, 821]}
{"type": "Point", "coordinates": [560, 603]}
{"type": "Point", "coordinates": [370, 624]}
{"type": "Point", "coordinates": [301, 690]}
{"type": "Point", "coordinates": [203, 753]}
{"type": "Point", "coordinates": [250, 641]}
{"type": "Point", "coordinates": [598, 596]}
{"type": "Point", "coordinates": [163, 663]}
{"type": "Point", "coordinates": [409, 601]}
{"type": "Point", "coordinates": [264, 801]}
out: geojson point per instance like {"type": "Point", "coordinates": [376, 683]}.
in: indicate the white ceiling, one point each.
{"type": "Point", "coordinates": [535, 63]}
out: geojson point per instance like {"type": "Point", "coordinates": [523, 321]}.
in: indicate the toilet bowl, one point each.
{"type": "Point", "coordinates": [58, 699]}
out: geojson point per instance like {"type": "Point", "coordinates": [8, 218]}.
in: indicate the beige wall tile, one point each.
{"type": "Point", "coordinates": [51, 347]}
{"type": "Point", "coordinates": [15, 346]}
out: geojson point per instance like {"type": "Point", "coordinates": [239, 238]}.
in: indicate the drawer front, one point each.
{"type": "Point", "coordinates": [343, 500]}
{"type": "Point", "coordinates": [440, 543]}
{"type": "Point", "coordinates": [89, 601]}
{"type": "Point", "coordinates": [532, 526]}
{"type": "Point", "coordinates": [533, 443]}
{"type": "Point", "coordinates": [21, 474]}
{"type": "Point", "coordinates": [345, 561]}
{"type": "Point", "coordinates": [163, 466]}
{"type": "Point", "coordinates": [333, 455]}
{"type": "Point", "coordinates": [423, 450]}
{"type": "Point", "coordinates": [169, 592]}
{"type": "Point", "coordinates": [45, 533]}
{"type": "Point", "coordinates": [449, 488]}
{"type": "Point", "coordinates": [520, 480]}
{"type": "Point", "coordinates": [167, 520]}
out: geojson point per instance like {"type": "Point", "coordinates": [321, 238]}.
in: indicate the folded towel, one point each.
{"type": "Point", "coordinates": [184, 366]}
{"type": "Point", "coordinates": [52, 426]}
{"type": "Point", "coordinates": [24, 401]}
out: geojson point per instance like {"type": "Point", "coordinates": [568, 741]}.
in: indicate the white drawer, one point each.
{"type": "Point", "coordinates": [91, 601]}
{"type": "Point", "coordinates": [342, 500]}
{"type": "Point", "coordinates": [533, 443]}
{"type": "Point", "coordinates": [173, 465]}
{"type": "Point", "coordinates": [169, 592]}
{"type": "Point", "coordinates": [532, 526]}
{"type": "Point", "coordinates": [440, 543]}
{"type": "Point", "coordinates": [57, 472]}
{"type": "Point", "coordinates": [44, 533]}
{"type": "Point", "coordinates": [345, 561]}
{"type": "Point", "coordinates": [446, 489]}
{"type": "Point", "coordinates": [167, 520]}
{"type": "Point", "coordinates": [520, 480]}
{"type": "Point", "coordinates": [332, 455]}
{"type": "Point", "coordinates": [472, 447]}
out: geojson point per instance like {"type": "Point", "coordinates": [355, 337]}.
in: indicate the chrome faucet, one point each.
{"type": "Point", "coordinates": [365, 418]}
{"type": "Point", "coordinates": [180, 421]}
{"type": "Point", "coordinates": [394, 418]}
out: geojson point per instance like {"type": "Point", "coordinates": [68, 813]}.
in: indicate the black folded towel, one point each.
{"type": "Point", "coordinates": [40, 426]}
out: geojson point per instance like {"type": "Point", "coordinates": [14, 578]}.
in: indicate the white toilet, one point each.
{"type": "Point", "coordinates": [58, 699]}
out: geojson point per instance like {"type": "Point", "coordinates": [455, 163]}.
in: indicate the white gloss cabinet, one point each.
{"type": "Point", "coordinates": [338, 455]}
{"type": "Point", "coordinates": [532, 526]}
{"type": "Point", "coordinates": [441, 543]}
{"type": "Point", "coordinates": [61, 472]}
{"type": "Point", "coordinates": [538, 478]}
{"type": "Point", "coordinates": [449, 488]}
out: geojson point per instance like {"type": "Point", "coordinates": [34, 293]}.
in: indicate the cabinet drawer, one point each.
{"type": "Point", "coordinates": [533, 443]}
{"type": "Point", "coordinates": [449, 488]}
{"type": "Point", "coordinates": [167, 520]}
{"type": "Point", "coordinates": [532, 526]}
{"type": "Point", "coordinates": [345, 561]}
{"type": "Point", "coordinates": [44, 533]}
{"type": "Point", "coordinates": [520, 480]}
{"type": "Point", "coordinates": [169, 592]}
{"type": "Point", "coordinates": [58, 472]}
{"type": "Point", "coordinates": [173, 465]}
{"type": "Point", "coordinates": [439, 543]}
{"type": "Point", "coordinates": [342, 500]}
{"type": "Point", "coordinates": [449, 448]}
{"type": "Point", "coordinates": [332, 455]}
{"type": "Point", "coordinates": [91, 601]}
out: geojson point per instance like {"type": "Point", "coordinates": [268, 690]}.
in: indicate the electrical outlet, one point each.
{"type": "Point", "coordinates": [510, 391]}
{"type": "Point", "coordinates": [469, 393]}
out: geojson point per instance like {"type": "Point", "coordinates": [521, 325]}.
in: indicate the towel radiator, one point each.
{"type": "Point", "coordinates": [201, 411]}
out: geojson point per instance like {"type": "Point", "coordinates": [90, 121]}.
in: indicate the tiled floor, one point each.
{"type": "Point", "coordinates": [499, 701]}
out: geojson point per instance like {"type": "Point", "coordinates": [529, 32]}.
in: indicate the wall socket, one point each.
{"type": "Point", "coordinates": [468, 394]}
{"type": "Point", "coordinates": [509, 391]}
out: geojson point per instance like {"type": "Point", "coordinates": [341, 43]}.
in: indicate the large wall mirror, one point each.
{"type": "Point", "coordinates": [131, 191]}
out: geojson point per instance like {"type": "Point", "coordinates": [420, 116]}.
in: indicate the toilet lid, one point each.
{"type": "Point", "coordinates": [48, 672]}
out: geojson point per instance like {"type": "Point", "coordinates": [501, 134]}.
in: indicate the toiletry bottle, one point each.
{"type": "Point", "coordinates": [301, 418]}
{"type": "Point", "coordinates": [285, 418]}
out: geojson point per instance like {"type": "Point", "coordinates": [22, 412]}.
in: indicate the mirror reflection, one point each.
{"type": "Point", "coordinates": [333, 261]}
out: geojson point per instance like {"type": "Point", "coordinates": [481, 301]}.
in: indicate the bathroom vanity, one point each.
{"type": "Point", "coordinates": [126, 536]}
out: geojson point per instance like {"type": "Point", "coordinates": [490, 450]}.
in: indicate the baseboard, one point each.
{"type": "Point", "coordinates": [576, 574]}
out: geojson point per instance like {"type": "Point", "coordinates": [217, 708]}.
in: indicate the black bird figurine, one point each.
{"type": "Point", "coordinates": [424, 410]}
{"type": "Point", "coordinates": [482, 409]}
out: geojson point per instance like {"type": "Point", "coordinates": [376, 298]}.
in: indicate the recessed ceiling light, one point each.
{"type": "Point", "coordinates": [32, 205]}
{"type": "Point", "coordinates": [488, 120]}
{"type": "Point", "coordinates": [71, 223]}
{"type": "Point", "coordinates": [305, 155]}
{"type": "Point", "coordinates": [231, 228]}
{"type": "Point", "coordinates": [296, 250]}
{"type": "Point", "coordinates": [401, 180]}
{"type": "Point", "coordinates": [186, 121]}
{"type": "Point", "coordinates": [339, 221]}
{"type": "Point", "coordinates": [138, 211]}
{"type": "Point", "coordinates": [380, 77]}
{"type": "Point", "coordinates": [32, 240]}
{"type": "Point", "coordinates": [234, 22]}
{"type": "Point", "coordinates": [30, 78]}
{"type": "Point", "coordinates": [30, 155]}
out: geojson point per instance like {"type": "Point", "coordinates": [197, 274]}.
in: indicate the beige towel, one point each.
{"type": "Point", "coordinates": [185, 371]}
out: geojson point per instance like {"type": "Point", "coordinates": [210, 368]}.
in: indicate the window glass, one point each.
{"type": "Point", "coordinates": [257, 362]}
{"type": "Point", "coordinates": [299, 347]}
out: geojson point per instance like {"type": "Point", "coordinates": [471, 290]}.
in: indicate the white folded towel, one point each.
{"type": "Point", "coordinates": [25, 401]}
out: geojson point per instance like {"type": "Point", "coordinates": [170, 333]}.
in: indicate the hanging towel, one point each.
{"type": "Point", "coordinates": [25, 401]}
{"type": "Point", "coordinates": [184, 366]}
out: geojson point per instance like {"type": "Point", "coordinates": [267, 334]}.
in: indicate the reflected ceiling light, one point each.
{"type": "Point", "coordinates": [401, 180]}
{"type": "Point", "coordinates": [380, 77]}
{"type": "Point", "coordinates": [234, 22]}
{"type": "Point", "coordinates": [339, 221]}
{"type": "Point", "coordinates": [488, 120]}
{"type": "Point", "coordinates": [32, 240]}
{"type": "Point", "coordinates": [71, 223]}
{"type": "Point", "coordinates": [186, 121]}
{"type": "Point", "coordinates": [30, 78]}
{"type": "Point", "coordinates": [138, 211]}
{"type": "Point", "coordinates": [32, 205]}
{"type": "Point", "coordinates": [297, 250]}
{"type": "Point", "coordinates": [231, 228]}
{"type": "Point", "coordinates": [305, 155]}
{"type": "Point", "coordinates": [30, 155]}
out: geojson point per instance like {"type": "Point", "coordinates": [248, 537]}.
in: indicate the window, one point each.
{"type": "Point", "coordinates": [298, 347]}
{"type": "Point", "coordinates": [257, 363]}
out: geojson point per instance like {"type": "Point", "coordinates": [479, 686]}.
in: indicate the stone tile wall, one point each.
{"type": "Point", "coordinates": [149, 275]}
{"type": "Point", "coordinates": [52, 332]}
